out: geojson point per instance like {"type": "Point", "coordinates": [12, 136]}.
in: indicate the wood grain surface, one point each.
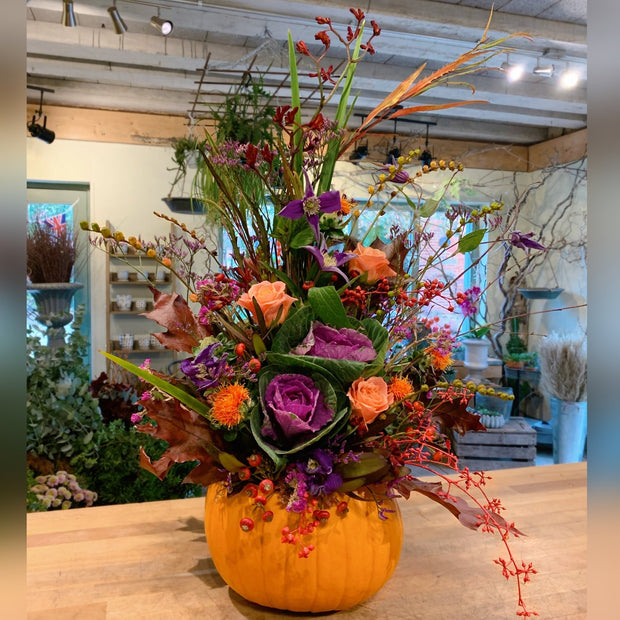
{"type": "Point", "coordinates": [151, 560]}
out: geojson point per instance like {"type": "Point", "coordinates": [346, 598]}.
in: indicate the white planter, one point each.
{"type": "Point", "coordinates": [476, 357]}
{"type": "Point", "coordinates": [570, 423]}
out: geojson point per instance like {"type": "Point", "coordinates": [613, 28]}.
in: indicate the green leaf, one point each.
{"type": "Point", "coordinates": [428, 208]}
{"type": "Point", "coordinates": [230, 462]}
{"type": "Point", "coordinates": [303, 237]}
{"type": "Point", "coordinates": [293, 330]}
{"type": "Point", "coordinates": [338, 371]}
{"type": "Point", "coordinates": [256, 420]}
{"type": "Point", "coordinates": [181, 395]}
{"type": "Point", "coordinates": [295, 102]}
{"type": "Point", "coordinates": [258, 344]}
{"type": "Point", "coordinates": [327, 305]}
{"type": "Point", "coordinates": [471, 241]}
{"type": "Point", "coordinates": [368, 464]}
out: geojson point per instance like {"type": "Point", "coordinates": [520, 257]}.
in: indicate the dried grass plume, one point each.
{"type": "Point", "coordinates": [563, 366]}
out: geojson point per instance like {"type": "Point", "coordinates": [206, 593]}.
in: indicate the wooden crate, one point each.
{"type": "Point", "coordinates": [513, 445]}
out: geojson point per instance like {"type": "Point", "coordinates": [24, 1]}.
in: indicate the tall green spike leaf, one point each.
{"type": "Point", "coordinates": [295, 102]}
{"type": "Point", "coordinates": [181, 395]}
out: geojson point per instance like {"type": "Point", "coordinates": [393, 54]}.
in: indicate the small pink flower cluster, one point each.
{"type": "Point", "coordinates": [61, 490]}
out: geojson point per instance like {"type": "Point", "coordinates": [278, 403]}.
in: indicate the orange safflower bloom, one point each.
{"type": "Point", "coordinates": [227, 405]}
{"type": "Point", "coordinates": [346, 204]}
{"type": "Point", "coordinates": [400, 388]}
{"type": "Point", "coordinates": [439, 360]}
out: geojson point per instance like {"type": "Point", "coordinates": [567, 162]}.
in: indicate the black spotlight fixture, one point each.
{"type": "Point", "coordinates": [41, 131]}
{"type": "Point", "coordinates": [392, 155]}
{"type": "Point", "coordinates": [426, 157]}
{"type": "Point", "coordinates": [360, 152]}
{"type": "Point", "coordinates": [68, 17]}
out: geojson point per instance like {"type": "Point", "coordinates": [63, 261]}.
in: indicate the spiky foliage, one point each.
{"type": "Point", "coordinates": [50, 254]}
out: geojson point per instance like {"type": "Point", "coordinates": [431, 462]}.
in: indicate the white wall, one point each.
{"type": "Point", "coordinates": [128, 182]}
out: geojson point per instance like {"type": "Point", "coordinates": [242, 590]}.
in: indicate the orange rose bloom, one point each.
{"type": "Point", "coordinates": [372, 262]}
{"type": "Point", "coordinates": [270, 296]}
{"type": "Point", "coordinates": [369, 398]}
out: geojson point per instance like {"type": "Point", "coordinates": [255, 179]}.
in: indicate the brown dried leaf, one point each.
{"type": "Point", "coordinates": [456, 417]}
{"type": "Point", "coordinates": [469, 516]}
{"type": "Point", "coordinates": [172, 312]}
{"type": "Point", "coordinates": [188, 436]}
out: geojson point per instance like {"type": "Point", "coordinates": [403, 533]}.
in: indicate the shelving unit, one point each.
{"type": "Point", "coordinates": [142, 272]}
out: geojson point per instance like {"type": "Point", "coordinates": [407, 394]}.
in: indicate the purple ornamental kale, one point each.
{"type": "Point", "coordinates": [206, 369]}
{"type": "Point", "coordinates": [336, 344]}
{"type": "Point", "coordinates": [294, 405]}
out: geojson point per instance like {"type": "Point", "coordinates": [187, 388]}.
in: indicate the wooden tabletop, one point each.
{"type": "Point", "coordinates": [151, 560]}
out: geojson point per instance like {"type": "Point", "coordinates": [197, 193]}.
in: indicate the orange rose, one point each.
{"type": "Point", "coordinates": [369, 398]}
{"type": "Point", "coordinates": [372, 262]}
{"type": "Point", "coordinates": [270, 297]}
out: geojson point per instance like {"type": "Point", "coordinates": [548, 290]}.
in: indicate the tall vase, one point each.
{"type": "Point", "coordinates": [569, 422]}
{"type": "Point", "coordinates": [476, 358]}
{"type": "Point", "coordinates": [354, 553]}
{"type": "Point", "coordinates": [53, 301]}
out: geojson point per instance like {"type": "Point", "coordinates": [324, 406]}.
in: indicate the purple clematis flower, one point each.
{"type": "Point", "coordinates": [327, 261]}
{"type": "Point", "coordinates": [519, 240]}
{"type": "Point", "coordinates": [402, 176]}
{"type": "Point", "coordinates": [319, 471]}
{"type": "Point", "coordinates": [312, 206]}
{"type": "Point", "coordinates": [206, 369]}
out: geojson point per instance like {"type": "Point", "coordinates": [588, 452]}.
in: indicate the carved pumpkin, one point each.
{"type": "Point", "coordinates": [354, 554]}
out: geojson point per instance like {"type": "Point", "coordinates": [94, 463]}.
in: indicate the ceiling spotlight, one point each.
{"type": "Point", "coordinates": [545, 70]}
{"type": "Point", "coordinates": [569, 78]}
{"type": "Point", "coordinates": [513, 72]}
{"type": "Point", "coordinates": [41, 131]}
{"type": "Point", "coordinates": [164, 26]}
{"type": "Point", "coordinates": [68, 17]}
{"type": "Point", "coordinates": [120, 27]}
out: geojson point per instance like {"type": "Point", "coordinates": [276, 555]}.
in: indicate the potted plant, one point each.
{"type": "Point", "coordinates": [50, 259]}
{"type": "Point", "coordinates": [186, 156]}
{"type": "Point", "coordinates": [563, 366]}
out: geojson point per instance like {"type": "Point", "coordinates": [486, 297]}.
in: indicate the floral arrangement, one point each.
{"type": "Point", "coordinates": [313, 364]}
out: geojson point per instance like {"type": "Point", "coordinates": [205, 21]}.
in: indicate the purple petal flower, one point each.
{"type": "Point", "coordinates": [525, 241]}
{"type": "Point", "coordinates": [336, 344]}
{"type": "Point", "coordinates": [312, 206]}
{"type": "Point", "coordinates": [295, 406]}
{"type": "Point", "coordinates": [319, 473]}
{"type": "Point", "coordinates": [206, 369]}
{"type": "Point", "coordinates": [327, 261]}
{"type": "Point", "coordinates": [402, 176]}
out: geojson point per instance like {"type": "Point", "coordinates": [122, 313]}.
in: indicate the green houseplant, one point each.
{"type": "Point", "coordinates": [62, 415]}
{"type": "Point", "coordinates": [185, 156]}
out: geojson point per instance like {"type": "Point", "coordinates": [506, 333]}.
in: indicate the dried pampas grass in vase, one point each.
{"type": "Point", "coordinates": [563, 366]}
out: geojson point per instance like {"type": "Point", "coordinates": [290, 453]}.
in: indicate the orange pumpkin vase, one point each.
{"type": "Point", "coordinates": [354, 553]}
